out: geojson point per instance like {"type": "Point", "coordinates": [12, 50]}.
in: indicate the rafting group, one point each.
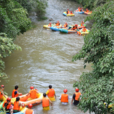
{"type": "Point", "coordinates": [79, 11]}
{"type": "Point", "coordinates": [22, 104]}
{"type": "Point", "coordinates": [80, 29]}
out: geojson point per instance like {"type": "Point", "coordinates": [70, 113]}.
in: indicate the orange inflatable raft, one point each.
{"type": "Point", "coordinates": [23, 99]}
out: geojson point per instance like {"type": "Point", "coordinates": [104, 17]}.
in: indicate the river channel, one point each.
{"type": "Point", "coordinates": [46, 58]}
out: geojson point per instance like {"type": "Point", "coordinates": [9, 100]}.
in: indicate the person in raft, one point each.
{"type": "Point", "coordinates": [71, 12]}
{"type": "Point", "coordinates": [76, 97]}
{"type": "Point", "coordinates": [84, 29]}
{"type": "Point", "coordinates": [17, 105]}
{"type": "Point", "coordinates": [51, 93]}
{"type": "Point", "coordinates": [29, 110]}
{"type": "Point", "coordinates": [68, 12]}
{"type": "Point", "coordinates": [7, 105]}
{"type": "Point", "coordinates": [49, 25]}
{"type": "Point", "coordinates": [57, 24]}
{"type": "Point", "coordinates": [65, 25]}
{"type": "Point", "coordinates": [64, 97]}
{"type": "Point", "coordinates": [46, 102]}
{"type": "Point", "coordinates": [33, 93]}
{"type": "Point", "coordinates": [2, 95]}
{"type": "Point", "coordinates": [82, 23]}
{"type": "Point", "coordinates": [15, 92]}
{"type": "Point", "coordinates": [74, 27]}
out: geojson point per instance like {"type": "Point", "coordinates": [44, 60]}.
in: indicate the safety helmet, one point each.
{"type": "Point", "coordinates": [8, 99]}
{"type": "Point", "coordinates": [76, 89]}
{"type": "Point", "coordinates": [65, 90]}
{"type": "Point", "coordinates": [31, 87]}
{"type": "Point", "coordinates": [23, 105]}
{"type": "Point", "coordinates": [2, 86]}
{"type": "Point", "coordinates": [76, 25]}
{"type": "Point", "coordinates": [30, 106]}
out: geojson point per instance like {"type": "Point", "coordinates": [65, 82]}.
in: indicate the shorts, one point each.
{"type": "Point", "coordinates": [46, 108]}
{"type": "Point", "coordinates": [76, 102]}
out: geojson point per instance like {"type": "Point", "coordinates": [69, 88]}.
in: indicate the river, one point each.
{"type": "Point", "coordinates": [46, 58]}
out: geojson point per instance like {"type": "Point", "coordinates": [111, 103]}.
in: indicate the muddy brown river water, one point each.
{"type": "Point", "coordinates": [46, 58]}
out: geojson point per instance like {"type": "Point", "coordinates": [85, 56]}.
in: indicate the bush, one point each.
{"type": "Point", "coordinates": [98, 85]}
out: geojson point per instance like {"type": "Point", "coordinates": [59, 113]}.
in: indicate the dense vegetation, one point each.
{"type": "Point", "coordinates": [98, 85]}
{"type": "Point", "coordinates": [14, 19]}
{"type": "Point", "coordinates": [91, 3]}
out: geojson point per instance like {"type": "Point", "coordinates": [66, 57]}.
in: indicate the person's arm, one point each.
{"type": "Point", "coordinates": [19, 93]}
{"type": "Point", "coordinates": [73, 97]}
{"type": "Point", "coordinates": [55, 96]}
{"type": "Point", "coordinates": [3, 94]}
{"type": "Point", "coordinates": [51, 103]}
{"type": "Point", "coordinates": [60, 98]}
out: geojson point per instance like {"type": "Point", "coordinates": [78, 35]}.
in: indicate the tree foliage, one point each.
{"type": "Point", "coordinates": [91, 3]}
{"type": "Point", "coordinates": [37, 6]}
{"type": "Point", "coordinates": [6, 48]}
{"type": "Point", "coordinates": [13, 18]}
{"type": "Point", "coordinates": [98, 85]}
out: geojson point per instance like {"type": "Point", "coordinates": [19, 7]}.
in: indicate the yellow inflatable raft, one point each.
{"type": "Point", "coordinates": [65, 14]}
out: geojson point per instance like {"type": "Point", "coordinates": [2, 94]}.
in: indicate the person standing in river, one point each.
{"type": "Point", "coordinates": [46, 102]}
{"type": "Point", "coordinates": [76, 97]}
{"type": "Point", "coordinates": [51, 93]}
{"type": "Point", "coordinates": [64, 97]}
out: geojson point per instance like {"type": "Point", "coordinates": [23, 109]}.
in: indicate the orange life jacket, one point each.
{"type": "Point", "coordinates": [64, 98]}
{"type": "Point", "coordinates": [13, 94]}
{"type": "Point", "coordinates": [6, 105]}
{"type": "Point", "coordinates": [77, 96]}
{"type": "Point", "coordinates": [29, 111]}
{"type": "Point", "coordinates": [49, 25]}
{"type": "Point", "coordinates": [74, 27]}
{"type": "Point", "coordinates": [79, 9]}
{"type": "Point", "coordinates": [33, 94]}
{"type": "Point", "coordinates": [84, 29]}
{"type": "Point", "coordinates": [65, 25]}
{"type": "Point", "coordinates": [45, 102]}
{"type": "Point", "coordinates": [16, 106]}
{"type": "Point", "coordinates": [87, 10]}
{"type": "Point", "coordinates": [68, 12]}
{"type": "Point", "coordinates": [1, 95]}
{"type": "Point", "coordinates": [82, 23]}
{"type": "Point", "coordinates": [57, 24]}
{"type": "Point", "coordinates": [51, 92]}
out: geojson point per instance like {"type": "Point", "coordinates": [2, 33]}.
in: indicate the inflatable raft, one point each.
{"type": "Point", "coordinates": [83, 33]}
{"type": "Point", "coordinates": [79, 12]}
{"type": "Point", "coordinates": [56, 28]}
{"type": "Point", "coordinates": [79, 26]}
{"type": "Point", "coordinates": [65, 14]}
{"type": "Point", "coordinates": [33, 101]}
{"type": "Point", "coordinates": [88, 13]}
{"type": "Point", "coordinates": [22, 110]}
{"type": "Point", "coordinates": [48, 27]}
{"type": "Point", "coordinates": [67, 31]}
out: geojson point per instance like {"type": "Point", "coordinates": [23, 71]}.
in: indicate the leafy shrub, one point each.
{"type": "Point", "coordinates": [98, 85]}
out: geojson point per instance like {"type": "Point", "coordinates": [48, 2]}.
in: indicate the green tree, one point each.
{"type": "Point", "coordinates": [37, 6]}
{"type": "Point", "coordinates": [13, 18]}
{"type": "Point", "coordinates": [98, 85]}
{"type": "Point", "coordinates": [6, 48]}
